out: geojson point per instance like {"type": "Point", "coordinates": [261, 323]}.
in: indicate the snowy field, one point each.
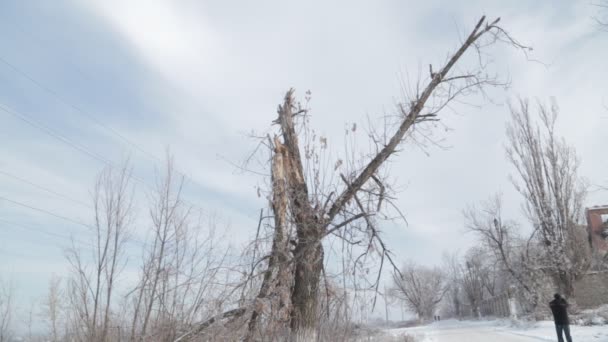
{"type": "Point", "coordinates": [498, 331]}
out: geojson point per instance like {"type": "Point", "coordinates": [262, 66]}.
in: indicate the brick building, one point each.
{"type": "Point", "coordinates": [597, 227]}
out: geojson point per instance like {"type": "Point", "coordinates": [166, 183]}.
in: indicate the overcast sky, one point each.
{"type": "Point", "coordinates": [84, 83]}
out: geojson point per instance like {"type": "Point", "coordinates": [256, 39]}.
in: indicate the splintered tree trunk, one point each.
{"type": "Point", "coordinates": [308, 253]}
{"type": "Point", "coordinates": [280, 280]}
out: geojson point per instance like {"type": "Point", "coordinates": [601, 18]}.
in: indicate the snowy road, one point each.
{"type": "Point", "coordinates": [498, 331]}
{"type": "Point", "coordinates": [475, 335]}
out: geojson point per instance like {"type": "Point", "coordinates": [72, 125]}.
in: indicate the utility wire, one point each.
{"type": "Point", "coordinates": [65, 140]}
{"type": "Point", "coordinates": [21, 255]}
{"type": "Point", "coordinates": [79, 147]}
{"type": "Point", "coordinates": [74, 241]}
{"type": "Point", "coordinates": [53, 134]}
{"type": "Point", "coordinates": [46, 189]}
{"type": "Point", "coordinates": [76, 108]}
{"type": "Point", "coordinates": [15, 224]}
{"type": "Point", "coordinates": [91, 117]}
{"type": "Point", "coordinates": [47, 212]}
{"type": "Point", "coordinates": [21, 204]}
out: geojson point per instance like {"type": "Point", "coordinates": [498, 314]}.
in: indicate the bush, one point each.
{"type": "Point", "coordinates": [597, 316]}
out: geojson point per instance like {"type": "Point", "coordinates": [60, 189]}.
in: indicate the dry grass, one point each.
{"type": "Point", "coordinates": [377, 335]}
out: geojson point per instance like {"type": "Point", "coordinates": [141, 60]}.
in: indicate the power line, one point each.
{"type": "Point", "coordinates": [79, 147]}
{"type": "Point", "coordinates": [80, 243]}
{"type": "Point", "coordinates": [25, 118]}
{"type": "Point", "coordinates": [46, 189]}
{"type": "Point", "coordinates": [21, 255]}
{"type": "Point", "coordinates": [15, 224]}
{"type": "Point", "coordinates": [73, 64]}
{"type": "Point", "coordinates": [80, 110]}
{"type": "Point", "coordinates": [90, 117]}
{"type": "Point", "coordinates": [76, 108]}
{"type": "Point", "coordinates": [53, 134]}
{"type": "Point", "coordinates": [47, 212]}
{"type": "Point", "coordinates": [21, 204]}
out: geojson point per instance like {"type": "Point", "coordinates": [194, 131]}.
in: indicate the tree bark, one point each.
{"type": "Point", "coordinates": [306, 287]}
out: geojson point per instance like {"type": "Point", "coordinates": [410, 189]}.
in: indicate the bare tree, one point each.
{"type": "Point", "coordinates": [167, 219]}
{"type": "Point", "coordinates": [179, 283]}
{"type": "Point", "coordinates": [29, 321]}
{"type": "Point", "coordinates": [453, 274]}
{"type": "Point", "coordinates": [500, 237]}
{"type": "Point", "coordinates": [91, 289]}
{"type": "Point", "coordinates": [6, 311]}
{"type": "Point", "coordinates": [474, 281]}
{"type": "Point", "coordinates": [53, 308]}
{"type": "Point", "coordinates": [421, 288]}
{"type": "Point", "coordinates": [547, 170]}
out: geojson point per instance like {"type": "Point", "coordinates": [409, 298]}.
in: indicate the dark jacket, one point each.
{"type": "Point", "coordinates": [560, 313]}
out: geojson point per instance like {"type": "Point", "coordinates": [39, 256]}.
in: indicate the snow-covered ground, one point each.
{"type": "Point", "coordinates": [498, 331]}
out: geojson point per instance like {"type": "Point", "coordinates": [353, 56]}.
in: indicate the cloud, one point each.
{"type": "Point", "coordinates": [200, 76]}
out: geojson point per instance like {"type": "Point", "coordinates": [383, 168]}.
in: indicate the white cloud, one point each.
{"type": "Point", "coordinates": [168, 36]}
{"type": "Point", "coordinates": [224, 69]}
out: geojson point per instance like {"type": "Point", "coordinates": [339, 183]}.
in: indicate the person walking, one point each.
{"type": "Point", "coordinates": [559, 308]}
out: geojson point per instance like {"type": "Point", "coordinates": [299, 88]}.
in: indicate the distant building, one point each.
{"type": "Point", "coordinates": [597, 227]}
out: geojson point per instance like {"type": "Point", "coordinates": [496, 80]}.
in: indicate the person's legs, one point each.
{"type": "Point", "coordinates": [558, 330]}
{"type": "Point", "coordinates": [567, 332]}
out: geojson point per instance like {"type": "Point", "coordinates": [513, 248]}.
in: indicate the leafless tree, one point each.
{"type": "Point", "coordinates": [421, 288]}
{"type": "Point", "coordinates": [474, 280]}
{"type": "Point", "coordinates": [53, 308]}
{"type": "Point", "coordinates": [452, 271]}
{"type": "Point", "coordinates": [501, 238]}
{"type": "Point", "coordinates": [167, 220]}
{"type": "Point", "coordinates": [487, 268]}
{"type": "Point", "coordinates": [91, 289]}
{"type": "Point", "coordinates": [6, 311]}
{"type": "Point", "coordinates": [179, 283]}
{"type": "Point", "coordinates": [547, 178]}
{"type": "Point", "coordinates": [29, 321]}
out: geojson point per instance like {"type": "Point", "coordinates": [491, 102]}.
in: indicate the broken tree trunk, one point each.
{"type": "Point", "coordinates": [309, 231]}
{"type": "Point", "coordinates": [278, 277]}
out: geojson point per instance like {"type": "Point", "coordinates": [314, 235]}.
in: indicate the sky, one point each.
{"type": "Point", "coordinates": [87, 84]}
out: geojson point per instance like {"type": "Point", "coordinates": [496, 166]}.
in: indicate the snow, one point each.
{"type": "Point", "coordinates": [498, 331]}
